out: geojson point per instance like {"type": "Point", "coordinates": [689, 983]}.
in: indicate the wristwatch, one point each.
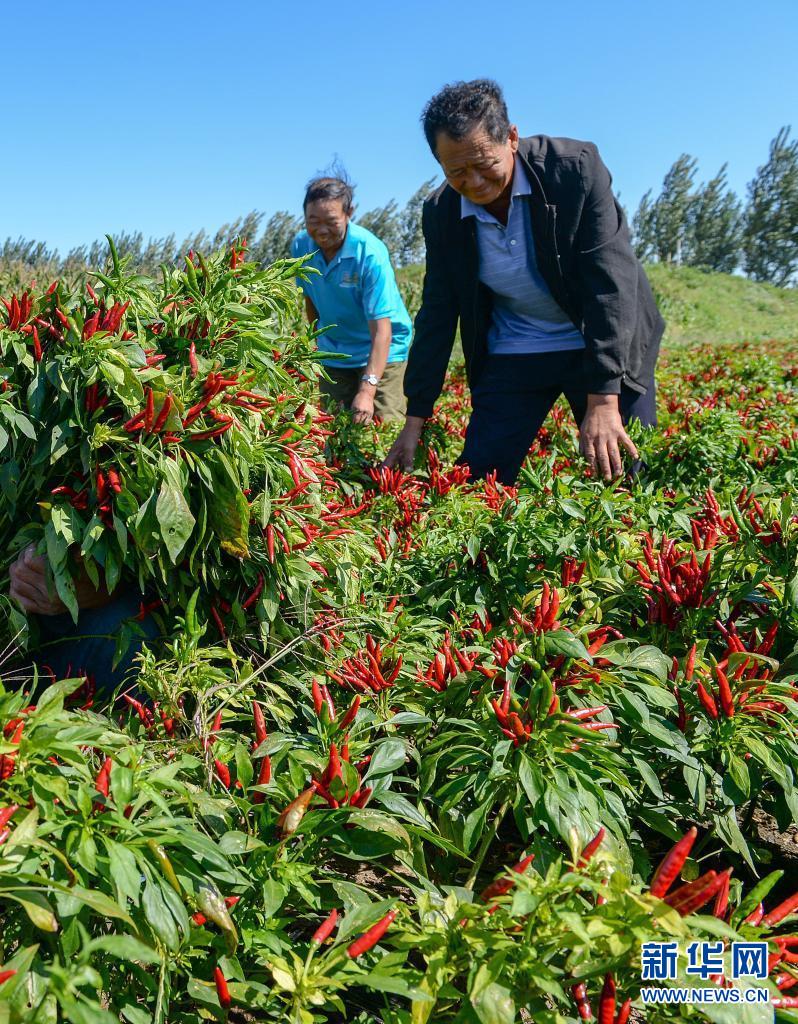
{"type": "Point", "coordinates": [370, 378]}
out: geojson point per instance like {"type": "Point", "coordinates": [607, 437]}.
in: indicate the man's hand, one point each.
{"type": "Point", "coordinates": [403, 450]}
{"type": "Point", "coordinates": [30, 589]}
{"type": "Point", "coordinates": [363, 404]}
{"type": "Point", "coordinates": [602, 434]}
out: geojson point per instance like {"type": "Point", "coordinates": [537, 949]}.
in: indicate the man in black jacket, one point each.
{"type": "Point", "coordinates": [528, 250]}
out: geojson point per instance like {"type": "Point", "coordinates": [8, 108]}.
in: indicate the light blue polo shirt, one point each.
{"type": "Point", "coordinates": [356, 286]}
{"type": "Point", "coordinates": [526, 319]}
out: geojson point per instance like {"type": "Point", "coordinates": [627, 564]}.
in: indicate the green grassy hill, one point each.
{"type": "Point", "coordinates": [696, 305]}
{"type": "Point", "coordinates": [720, 307]}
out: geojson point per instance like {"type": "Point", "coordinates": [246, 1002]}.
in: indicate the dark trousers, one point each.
{"type": "Point", "coordinates": [66, 649]}
{"type": "Point", "coordinates": [511, 399]}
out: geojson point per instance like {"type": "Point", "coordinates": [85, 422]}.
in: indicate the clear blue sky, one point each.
{"type": "Point", "coordinates": [172, 116]}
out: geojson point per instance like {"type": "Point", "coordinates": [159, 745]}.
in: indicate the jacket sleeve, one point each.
{"type": "Point", "coordinates": [435, 326]}
{"type": "Point", "coordinates": [606, 279]}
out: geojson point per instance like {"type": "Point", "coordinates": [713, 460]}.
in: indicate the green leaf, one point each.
{"type": "Point", "coordinates": [125, 947]}
{"type": "Point", "coordinates": [175, 519]}
{"type": "Point", "coordinates": [388, 755]}
{"type": "Point", "coordinates": [37, 908]}
{"type": "Point", "coordinates": [394, 984]}
{"type": "Point", "coordinates": [563, 642]}
{"type": "Point", "coordinates": [492, 1002]}
{"type": "Point", "coordinates": [228, 509]}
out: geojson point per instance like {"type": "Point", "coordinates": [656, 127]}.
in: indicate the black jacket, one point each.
{"type": "Point", "coordinates": [584, 254]}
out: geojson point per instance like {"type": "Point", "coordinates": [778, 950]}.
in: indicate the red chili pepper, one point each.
{"type": "Point", "coordinates": [333, 769]}
{"type": "Point", "coordinates": [318, 697]}
{"type": "Point", "coordinates": [135, 422]}
{"type": "Point", "coordinates": [163, 415]}
{"type": "Point", "coordinates": [755, 917]}
{"type": "Point", "coordinates": [370, 938]}
{"type": "Point", "coordinates": [624, 1012]}
{"type": "Point", "coordinates": [590, 849]}
{"type": "Point", "coordinates": [149, 410]}
{"type": "Point", "coordinates": [196, 410]}
{"type": "Point", "coordinates": [255, 593]}
{"type": "Point", "coordinates": [722, 899]}
{"type": "Point", "coordinates": [37, 346]}
{"type": "Point", "coordinates": [606, 1014]}
{"type": "Point", "coordinates": [579, 993]}
{"type": "Point", "coordinates": [672, 864]}
{"type": "Point", "coordinates": [701, 897]}
{"type": "Point", "coordinates": [206, 435]}
{"type": "Point", "coordinates": [351, 713]}
{"type": "Point", "coordinates": [689, 667]}
{"type": "Point", "coordinates": [270, 542]}
{"type": "Point", "coordinates": [192, 359]}
{"type": "Point", "coordinates": [260, 723]}
{"type": "Point", "coordinates": [360, 799]}
{"type": "Point", "coordinates": [325, 930]}
{"type": "Point", "coordinates": [219, 624]}
{"type": "Point", "coordinates": [222, 991]}
{"type": "Point", "coordinates": [223, 772]}
{"type": "Point", "coordinates": [329, 702]}
{"type": "Point", "coordinates": [724, 692]}
{"type": "Point", "coordinates": [264, 778]}
{"type": "Point", "coordinates": [690, 889]}
{"type": "Point", "coordinates": [707, 700]}
{"type": "Point", "coordinates": [7, 813]}
{"type": "Point", "coordinates": [503, 885]}
{"type": "Point", "coordinates": [783, 910]}
{"type": "Point", "coordinates": [581, 714]}
{"type": "Point", "coordinates": [5, 975]}
{"type": "Point", "coordinates": [102, 782]}
{"type": "Point", "coordinates": [141, 711]}
{"type": "Point", "coordinates": [114, 480]}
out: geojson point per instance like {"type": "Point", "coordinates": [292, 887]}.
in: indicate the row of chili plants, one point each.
{"type": "Point", "coordinates": [379, 690]}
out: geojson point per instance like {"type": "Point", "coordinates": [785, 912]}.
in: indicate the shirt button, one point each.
{"type": "Point", "coordinates": [512, 241]}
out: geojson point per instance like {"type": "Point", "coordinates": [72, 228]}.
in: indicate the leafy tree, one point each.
{"type": "Point", "coordinates": [411, 246]}
{"type": "Point", "coordinates": [713, 231]}
{"type": "Point", "coordinates": [644, 229]}
{"type": "Point", "coordinates": [275, 240]}
{"type": "Point", "coordinates": [770, 240]}
{"type": "Point", "coordinates": [385, 223]}
{"type": "Point", "coordinates": [671, 209]}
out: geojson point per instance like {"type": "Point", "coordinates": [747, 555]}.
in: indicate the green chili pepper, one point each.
{"type": "Point", "coordinates": [165, 865]}
{"type": "Point", "coordinates": [214, 908]}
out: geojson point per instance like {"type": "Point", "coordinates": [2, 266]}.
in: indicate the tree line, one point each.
{"type": "Point", "coordinates": [702, 225]}
{"type": "Point", "coordinates": [707, 226]}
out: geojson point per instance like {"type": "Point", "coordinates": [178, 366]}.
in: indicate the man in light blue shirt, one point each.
{"type": "Point", "coordinates": [355, 298]}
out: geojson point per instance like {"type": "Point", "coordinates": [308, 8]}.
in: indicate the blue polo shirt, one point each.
{"type": "Point", "coordinates": [356, 286]}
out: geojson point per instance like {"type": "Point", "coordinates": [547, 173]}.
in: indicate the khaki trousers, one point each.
{"type": "Point", "coordinates": [389, 401]}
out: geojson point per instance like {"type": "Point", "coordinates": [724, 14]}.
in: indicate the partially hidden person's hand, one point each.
{"type": "Point", "coordinates": [363, 406]}
{"type": "Point", "coordinates": [32, 590]}
{"type": "Point", "coordinates": [403, 450]}
{"type": "Point", "coordinates": [602, 436]}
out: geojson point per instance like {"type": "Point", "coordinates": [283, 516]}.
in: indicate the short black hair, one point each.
{"type": "Point", "coordinates": [329, 187]}
{"type": "Point", "coordinates": [460, 107]}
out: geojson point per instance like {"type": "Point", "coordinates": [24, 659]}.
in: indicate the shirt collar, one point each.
{"type": "Point", "coordinates": [347, 251]}
{"type": "Point", "coordinates": [521, 187]}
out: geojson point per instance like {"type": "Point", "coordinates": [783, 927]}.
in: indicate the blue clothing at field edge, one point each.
{"type": "Point", "coordinates": [70, 650]}
{"type": "Point", "coordinates": [525, 317]}
{"type": "Point", "coordinates": [356, 286]}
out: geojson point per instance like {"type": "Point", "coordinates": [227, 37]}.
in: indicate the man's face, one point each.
{"type": "Point", "coordinates": [476, 166]}
{"type": "Point", "coordinates": [326, 223]}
